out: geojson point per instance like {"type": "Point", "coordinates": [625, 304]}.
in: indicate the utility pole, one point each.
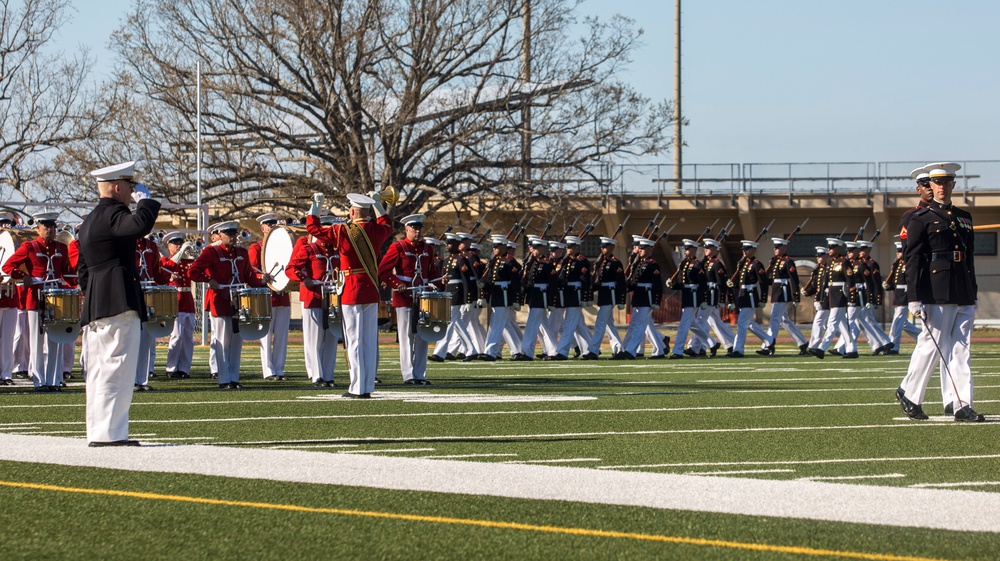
{"type": "Point", "coordinates": [678, 158]}
{"type": "Point", "coordinates": [526, 101]}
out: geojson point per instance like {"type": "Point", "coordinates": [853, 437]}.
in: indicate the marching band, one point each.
{"type": "Point", "coordinates": [343, 279]}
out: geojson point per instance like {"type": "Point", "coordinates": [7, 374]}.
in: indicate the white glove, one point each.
{"type": "Point", "coordinates": [731, 306]}
{"type": "Point", "coordinates": [818, 306]}
{"type": "Point", "coordinates": [703, 306]}
{"type": "Point", "coordinates": [886, 286]}
{"type": "Point", "coordinates": [670, 284]}
{"type": "Point", "coordinates": [317, 206]}
{"type": "Point", "coordinates": [587, 303]}
{"type": "Point", "coordinates": [465, 308]}
{"type": "Point", "coordinates": [377, 207]}
{"type": "Point", "coordinates": [481, 303]}
{"type": "Point", "coordinates": [620, 306]}
{"type": "Point", "coordinates": [372, 194]}
{"type": "Point", "coordinates": [185, 247]}
{"type": "Point", "coordinates": [869, 306]}
{"type": "Point", "coordinates": [730, 283]}
{"type": "Point", "coordinates": [140, 192]}
{"type": "Point", "coordinates": [916, 308]}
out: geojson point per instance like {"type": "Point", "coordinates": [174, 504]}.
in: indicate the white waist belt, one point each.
{"type": "Point", "coordinates": [749, 286]}
{"type": "Point", "coordinates": [455, 281]}
{"type": "Point", "coordinates": [859, 285]}
{"type": "Point", "coordinates": [502, 284]}
{"type": "Point", "coordinates": [837, 284]}
{"type": "Point", "coordinates": [713, 285]}
{"type": "Point", "coordinates": [609, 284]}
{"type": "Point", "coordinates": [542, 286]}
{"type": "Point", "coordinates": [691, 286]}
{"type": "Point", "coordinates": [900, 287]}
{"type": "Point", "coordinates": [576, 284]}
{"type": "Point", "coordinates": [405, 278]}
{"type": "Point", "coordinates": [645, 284]}
{"type": "Point", "coordinates": [780, 281]}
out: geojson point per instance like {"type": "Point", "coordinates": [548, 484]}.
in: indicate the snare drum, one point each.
{"type": "Point", "coordinates": [385, 315]}
{"type": "Point", "coordinates": [435, 307]}
{"type": "Point", "coordinates": [255, 304]}
{"type": "Point", "coordinates": [62, 305]}
{"type": "Point", "coordinates": [161, 302]}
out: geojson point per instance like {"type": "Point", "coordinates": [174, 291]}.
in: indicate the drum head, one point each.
{"type": "Point", "coordinates": [432, 332]}
{"type": "Point", "coordinates": [63, 333]}
{"type": "Point", "coordinates": [276, 251]}
{"type": "Point", "coordinates": [254, 331]}
{"type": "Point", "coordinates": [161, 328]}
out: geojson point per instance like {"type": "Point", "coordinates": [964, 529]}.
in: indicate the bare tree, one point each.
{"type": "Point", "coordinates": [428, 95]}
{"type": "Point", "coordinates": [45, 102]}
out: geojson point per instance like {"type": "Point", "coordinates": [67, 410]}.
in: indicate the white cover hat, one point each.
{"type": "Point", "coordinates": [708, 242]}
{"type": "Point", "coordinates": [942, 169]}
{"type": "Point", "coordinates": [171, 236]}
{"type": "Point", "coordinates": [268, 217]}
{"type": "Point", "coordinates": [779, 241]}
{"type": "Point", "coordinates": [360, 201]}
{"type": "Point", "coordinates": [820, 249]}
{"type": "Point", "coordinates": [572, 240]}
{"type": "Point", "coordinates": [475, 247]}
{"type": "Point", "coordinates": [646, 242]}
{"type": "Point", "coordinates": [608, 241]}
{"type": "Point", "coordinates": [117, 171]}
{"type": "Point", "coordinates": [497, 239]}
{"type": "Point", "coordinates": [464, 236]}
{"type": "Point", "coordinates": [46, 216]}
{"type": "Point", "coordinates": [689, 243]}
{"type": "Point", "coordinates": [413, 219]}
{"type": "Point", "coordinates": [557, 245]}
{"type": "Point", "coordinates": [748, 243]}
{"type": "Point", "coordinates": [834, 241]}
{"type": "Point", "coordinates": [899, 246]}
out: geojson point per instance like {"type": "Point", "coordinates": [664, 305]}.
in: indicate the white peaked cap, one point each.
{"type": "Point", "coordinates": [708, 242]}
{"type": "Point", "coordinates": [779, 241]}
{"type": "Point", "coordinates": [689, 243]}
{"type": "Point", "coordinates": [572, 240]}
{"type": "Point", "coordinates": [820, 250]}
{"type": "Point", "coordinates": [646, 242]}
{"type": "Point", "coordinates": [834, 241]}
{"type": "Point", "coordinates": [39, 216]}
{"type": "Point", "coordinates": [749, 243]}
{"type": "Point", "coordinates": [413, 219]}
{"type": "Point", "coordinates": [360, 201]}
{"type": "Point", "coordinates": [942, 169]}
{"type": "Point", "coordinates": [171, 236]}
{"type": "Point", "coordinates": [608, 241]}
{"type": "Point", "coordinates": [267, 217]}
{"type": "Point", "coordinates": [117, 171]}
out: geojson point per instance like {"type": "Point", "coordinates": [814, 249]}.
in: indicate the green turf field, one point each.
{"type": "Point", "coordinates": [780, 418]}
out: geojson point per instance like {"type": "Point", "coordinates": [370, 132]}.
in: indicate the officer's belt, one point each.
{"type": "Point", "coordinates": [691, 286]}
{"type": "Point", "coordinates": [455, 281]}
{"type": "Point", "coordinates": [502, 284]}
{"type": "Point", "coordinates": [404, 278]}
{"type": "Point", "coordinates": [955, 256]}
{"type": "Point", "coordinates": [713, 285]}
{"type": "Point", "coordinates": [542, 286]}
{"type": "Point", "coordinates": [749, 286]}
{"type": "Point", "coordinates": [609, 284]}
{"type": "Point", "coordinates": [780, 281]}
{"type": "Point", "coordinates": [576, 284]}
{"type": "Point", "coordinates": [356, 271]}
{"type": "Point", "coordinates": [644, 284]}
{"type": "Point", "coordinates": [859, 285]}
{"type": "Point", "coordinates": [900, 287]}
{"type": "Point", "coordinates": [838, 284]}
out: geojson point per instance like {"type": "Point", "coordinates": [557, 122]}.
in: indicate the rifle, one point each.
{"type": "Point", "coordinates": [446, 232]}
{"type": "Point", "coordinates": [707, 231]}
{"type": "Point", "coordinates": [621, 226]}
{"type": "Point", "coordinates": [545, 231]}
{"type": "Point", "coordinates": [486, 234]}
{"type": "Point", "coordinates": [657, 229]}
{"type": "Point", "coordinates": [797, 229]}
{"type": "Point", "coordinates": [513, 229]}
{"type": "Point", "coordinates": [861, 232]}
{"type": "Point", "coordinates": [757, 239]}
{"type": "Point", "coordinates": [571, 226]}
{"type": "Point", "coordinates": [879, 231]}
{"type": "Point", "coordinates": [521, 229]}
{"type": "Point", "coordinates": [724, 232]}
{"type": "Point", "coordinates": [478, 223]}
{"type": "Point", "coordinates": [645, 231]}
{"type": "Point", "coordinates": [589, 227]}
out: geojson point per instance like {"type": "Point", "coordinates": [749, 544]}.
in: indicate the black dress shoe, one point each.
{"type": "Point", "coordinates": [410, 382]}
{"type": "Point", "coordinates": [666, 341]}
{"type": "Point", "coordinates": [43, 389]}
{"type": "Point", "coordinates": [470, 358]}
{"type": "Point", "coordinates": [834, 352]}
{"type": "Point", "coordinates": [892, 353]}
{"type": "Point", "coordinates": [175, 375]}
{"type": "Point", "coordinates": [967, 414]}
{"type": "Point", "coordinates": [460, 356]}
{"type": "Point", "coordinates": [22, 374]}
{"type": "Point", "coordinates": [449, 356]}
{"type": "Point", "coordinates": [224, 386]}
{"type": "Point", "coordinates": [734, 354]}
{"type": "Point", "coordinates": [678, 357]}
{"type": "Point", "coordinates": [486, 357]}
{"type": "Point", "coordinates": [623, 355]}
{"type": "Point", "coordinates": [235, 385]}
{"type": "Point", "coordinates": [215, 375]}
{"type": "Point", "coordinates": [144, 388]}
{"type": "Point", "coordinates": [589, 356]}
{"type": "Point", "coordinates": [319, 384]}
{"type": "Point", "coordinates": [763, 352]}
{"type": "Point", "coordinates": [558, 357]}
{"type": "Point", "coordinates": [803, 349]}
{"type": "Point", "coordinates": [817, 352]}
{"type": "Point", "coordinates": [365, 396]}
{"type": "Point", "coordinates": [351, 395]}
{"type": "Point", "coordinates": [714, 349]}
{"type": "Point", "coordinates": [576, 352]}
{"type": "Point", "coordinates": [67, 375]}
{"type": "Point", "coordinates": [911, 409]}
{"type": "Point", "coordinates": [424, 382]}
{"type": "Point", "coordinates": [949, 409]}
{"type": "Point", "coordinates": [113, 443]}
{"type": "Point", "coordinates": [658, 357]}
{"type": "Point", "coordinates": [689, 351]}
{"type": "Point", "coordinates": [520, 357]}
{"type": "Point", "coordinates": [850, 355]}
{"type": "Point", "coordinates": [435, 358]}
{"type": "Point", "coordinates": [271, 378]}
{"type": "Point", "coordinates": [378, 380]}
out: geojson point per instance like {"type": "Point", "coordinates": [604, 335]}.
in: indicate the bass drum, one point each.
{"type": "Point", "coordinates": [276, 252]}
{"type": "Point", "coordinates": [11, 239]}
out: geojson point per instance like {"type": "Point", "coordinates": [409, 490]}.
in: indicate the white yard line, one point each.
{"type": "Point", "coordinates": [560, 461]}
{"type": "Point", "coordinates": [462, 456]}
{"type": "Point", "coordinates": [890, 506]}
{"type": "Point", "coordinates": [387, 451]}
{"type": "Point", "coordinates": [739, 472]}
{"type": "Point", "coordinates": [961, 484]}
{"type": "Point", "coordinates": [853, 477]}
{"type": "Point", "coordinates": [810, 462]}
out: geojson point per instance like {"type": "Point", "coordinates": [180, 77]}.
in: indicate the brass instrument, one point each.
{"type": "Point", "coordinates": [388, 196]}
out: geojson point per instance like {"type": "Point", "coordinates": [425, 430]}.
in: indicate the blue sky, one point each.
{"type": "Point", "coordinates": [792, 80]}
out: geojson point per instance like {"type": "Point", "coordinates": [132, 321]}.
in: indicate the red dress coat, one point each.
{"type": "Point", "coordinates": [26, 257]}
{"type": "Point", "coordinates": [358, 288]}
{"type": "Point", "coordinates": [277, 298]}
{"type": "Point", "coordinates": [308, 261]}
{"type": "Point", "coordinates": [216, 263]}
{"type": "Point", "coordinates": [398, 267]}
{"type": "Point", "coordinates": [185, 300]}
{"type": "Point", "coordinates": [148, 261]}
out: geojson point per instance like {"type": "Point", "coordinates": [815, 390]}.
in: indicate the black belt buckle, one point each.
{"type": "Point", "coordinates": [957, 256]}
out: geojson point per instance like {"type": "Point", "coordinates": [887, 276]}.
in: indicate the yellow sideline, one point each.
{"type": "Point", "coordinates": [480, 523]}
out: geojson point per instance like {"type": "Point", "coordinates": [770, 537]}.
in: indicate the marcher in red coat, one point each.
{"type": "Point", "coordinates": [358, 242]}
{"type": "Point", "coordinates": [316, 265]}
{"type": "Point", "coordinates": [273, 345]}
{"type": "Point", "coordinates": [180, 349]}
{"type": "Point", "coordinates": [223, 266]}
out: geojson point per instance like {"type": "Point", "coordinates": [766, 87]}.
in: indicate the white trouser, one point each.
{"type": "Point", "coordinates": [512, 334]}
{"type": "Point", "coordinates": [274, 345]}
{"type": "Point", "coordinates": [213, 359]}
{"type": "Point", "coordinates": [477, 333]}
{"type": "Point", "coordinates": [819, 324]}
{"type": "Point", "coordinates": [45, 355]}
{"type": "Point", "coordinates": [722, 331]}
{"type": "Point", "coordinates": [780, 320]}
{"type": "Point", "coordinates": [112, 352]}
{"type": "Point", "coordinates": [901, 324]}
{"type": "Point", "coordinates": [8, 325]}
{"type": "Point", "coordinates": [743, 323]}
{"type": "Point", "coordinates": [457, 334]}
{"type": "Point", "coordinates": [837, 325]}
{"type": "Point", "coordinates": [68, 354]}
{"type": "Point", "coordinates": [319, 345]}
{"type": "Point", "coordinates": [498, 325]}
{"type": "Point", "coordinates": [688, 324]}
{"type": "Point", "coordinates": [146, 345]}
{"type": "Point", "coordinates": [180, 349]}
{"type": "Point", "coordinates": [361, 333]}
{"type": "Point", "coordinates": [570, 333]}
{"type": "Point", "coordinates": [21, 348]}
{"type": "Point", "coordinates": [412, 347]}
{"type": "Point", "coordinates": [605, 324]}
{"type": "Point", "coordinates": [638, 325]}
{"type": "Point", "coordinates": [536, 323]}
{"type": "Point", "coordinates": [654, 336]}
{"type": "Point", "coordinates": [866, 320]}
{"type": "Point", "coordinates": [945, 338]}
{"type": "Point", "coordinates": [228, 349]}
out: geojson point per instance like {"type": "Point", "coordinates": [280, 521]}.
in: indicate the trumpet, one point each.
{"type": "Point", "coordinates": [244, 236]}
{"type": "Point", "coordinates": [388, 196]}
